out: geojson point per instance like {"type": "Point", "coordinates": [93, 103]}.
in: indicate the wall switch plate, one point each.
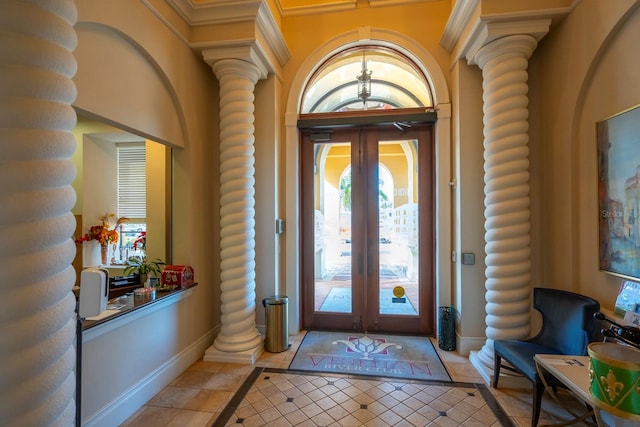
{"type": "Point", "coordinates": [468, 258]}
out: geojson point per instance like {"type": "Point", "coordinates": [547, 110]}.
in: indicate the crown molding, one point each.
{"type": "Point", "coordinates": [468, 29]}
{"type": "Point", "coordinates": [268, 27]}
{"type": "Point", "coordinates": [460, 16]}
{"type": "Point", "coordinates": [216, 11]}
{"type": "Point", "coordinates": [315, 7]}
{"type": "Point", "coordinates": [267, 44]}
{"type": "Point", "coordinates": [384, 3]}
{"type": "Point", "coordinates": [329, 6]}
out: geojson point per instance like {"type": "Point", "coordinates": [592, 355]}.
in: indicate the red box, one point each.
{"type": "Point", "coordinates": [177, 275]}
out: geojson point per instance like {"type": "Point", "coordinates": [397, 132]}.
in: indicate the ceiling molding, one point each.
{"type": "Point", "coordinates": [216, 11]}
{"type": "Point", "coordinates": [468, 29]}
{"type": "Point", "coordinates": [460, 16]}
{"type": "Point", "coordinates": [384, 3]}
{"type": "Point", "coordinates": [267, 45]}
{"type": "Point", "coordinates": [315, 7]}
{"type": "Point", "coordinates": [269, 28]}
{"type": "Point", "coordinates": [311, 7]}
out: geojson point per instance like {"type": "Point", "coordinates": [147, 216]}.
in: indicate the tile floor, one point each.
{"type": "Point", "coordinates": [199, 396]}
{"type": "Point", "coordinates": [281, 398]}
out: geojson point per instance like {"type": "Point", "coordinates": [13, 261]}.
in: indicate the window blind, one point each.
{"type": "Point", "coordinates": [132, 181]}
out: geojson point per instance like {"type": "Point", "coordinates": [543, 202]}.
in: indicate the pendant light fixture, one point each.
{"type": "Point", "coordinates": [364, 83]}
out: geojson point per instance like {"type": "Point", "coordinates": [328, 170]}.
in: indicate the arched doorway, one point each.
{"type": "Point", "coordinates": [442, 198]}
{"type": "Point", "coordinates": [367, 260]}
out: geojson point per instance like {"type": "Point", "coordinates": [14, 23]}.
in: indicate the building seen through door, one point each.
{"type": "Point", "coordinates": [367, 192]}
{"type": "Point", "coordinates": [398, 247]}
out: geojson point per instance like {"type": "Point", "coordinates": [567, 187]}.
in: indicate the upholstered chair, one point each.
{"type": "Point", "coordinates": [568, 326]}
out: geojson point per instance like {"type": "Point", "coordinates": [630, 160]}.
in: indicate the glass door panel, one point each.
{"type": "Point", "coordinates": [398, 229]}
{"type": "Point", "coordinates": [400, 280]}
{"type": "Point", "coordinates": [367, 230]}
{"type": "Point", "coordinates": [332, 229]}
{"type": "Point", "coordinates": [332, 291]}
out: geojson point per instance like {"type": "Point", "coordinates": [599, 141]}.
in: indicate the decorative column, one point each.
{"type": "Point", "coordinates": [504, 64]}
{"type": "Point", "coordinates": [37, 308]}
{"type": "Point", "coordinates": [238, 340]}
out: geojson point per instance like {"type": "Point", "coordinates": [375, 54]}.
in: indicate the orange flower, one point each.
{"type": "Point", "coordinates": [104, 232]}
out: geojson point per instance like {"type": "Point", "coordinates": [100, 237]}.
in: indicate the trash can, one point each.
{"type": "Point", "coordinates": [447, 328]}
{"type": "Point", "coordinates": [276, 323]}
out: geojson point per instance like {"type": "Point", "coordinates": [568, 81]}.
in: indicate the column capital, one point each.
{"type": "Point", "coordinates": [520, 45]}
{"type": "Point", "coordinates": [473, 24]}
{"type": "Point", "coordinates": [225, 29]}
{"type": "Point", "coordinates": [245, 54]}
{"type": "Point", "coordinates": [488, 32]}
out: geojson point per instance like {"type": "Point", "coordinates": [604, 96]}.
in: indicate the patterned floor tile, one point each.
{"type": "Point", "coordinates": [363, 401]}
{"type": "Point", "coordinates": [207, 393]}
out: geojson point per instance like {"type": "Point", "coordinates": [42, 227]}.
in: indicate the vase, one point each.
{"type": "Point", "coordinates": [104, 254]}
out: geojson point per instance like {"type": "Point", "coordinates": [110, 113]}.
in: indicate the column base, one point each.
{"type": "Point", "coordinates": [247, 357]}
{"type": "Point", "coordinates": [507, 380]}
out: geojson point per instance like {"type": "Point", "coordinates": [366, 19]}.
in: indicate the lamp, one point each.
{"type": "Point", "coordinates": [364, 83]}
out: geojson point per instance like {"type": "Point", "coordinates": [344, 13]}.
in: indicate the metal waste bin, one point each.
{"type": "Point", "coordinates": [276, 323]}
{"type": "Point", "coordinates": [447, 328]}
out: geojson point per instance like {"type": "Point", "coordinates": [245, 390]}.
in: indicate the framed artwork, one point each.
{"type": "Point", "coordinates": [618, 139]}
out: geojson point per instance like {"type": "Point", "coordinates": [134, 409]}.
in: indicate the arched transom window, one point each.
{"type": "Point", "coordinates": [366, 78]}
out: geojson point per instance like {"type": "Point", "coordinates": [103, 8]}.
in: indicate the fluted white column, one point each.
{"type": "Point", "coordinates": [506, 175]}
{"type": "Point", "coordinates": [37, 321]}
{"type": "Point", "coordinates": [238, 333]}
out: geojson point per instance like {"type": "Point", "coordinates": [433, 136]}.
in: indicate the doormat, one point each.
{"type": "Point", "coordinates": [339, 301]}
{"type": "Point", "coordinates": [393, 356]}
{"type": "Point", "coordinates": [281, 397]}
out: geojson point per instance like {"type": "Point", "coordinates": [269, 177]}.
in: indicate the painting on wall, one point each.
{"type": "Point", "coordinates": [618, 139]}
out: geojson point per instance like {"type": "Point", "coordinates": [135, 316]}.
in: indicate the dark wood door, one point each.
{"type": "Point", "coordinates": [368, 229]}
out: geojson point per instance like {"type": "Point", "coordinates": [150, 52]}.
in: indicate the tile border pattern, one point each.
{"type": "Point", "coordinates": [237, 399]}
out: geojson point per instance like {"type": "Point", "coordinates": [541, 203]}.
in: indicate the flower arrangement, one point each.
{"type": "Point", "coordinates": [105, 233]}
{"type": "Point", "coordinates": [141, 242]}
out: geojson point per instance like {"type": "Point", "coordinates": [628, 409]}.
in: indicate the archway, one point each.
{"type": "Point", "coordinates": [432, 71]}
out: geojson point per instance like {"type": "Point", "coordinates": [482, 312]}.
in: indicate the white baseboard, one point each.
{"type": "Point", "coordinates": [138, 394]}
{"type": "Point", "coordinates": [465, 345]}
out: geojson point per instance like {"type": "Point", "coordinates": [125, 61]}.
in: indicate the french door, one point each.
{"type": "Point", "coordinates": [368, 229]}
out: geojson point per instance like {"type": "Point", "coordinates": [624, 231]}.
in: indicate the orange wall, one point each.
{"type": "Point", "coordinates": [424, 22]}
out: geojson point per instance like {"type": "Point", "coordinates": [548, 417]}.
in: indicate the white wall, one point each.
{"type": "Point", "coordinates": [582, 72]}
{"type": "Point", "coordinates": [268, 243]}
{"type": "Point", "coordinates": [99, 159]}
{"type": "Point", "coordinates": [469, 205]}
{"type": "Point", "coordinates": [139, 75]}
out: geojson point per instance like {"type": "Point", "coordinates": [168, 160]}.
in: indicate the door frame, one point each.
{"type": "Point", "coordinates": [378, 123]}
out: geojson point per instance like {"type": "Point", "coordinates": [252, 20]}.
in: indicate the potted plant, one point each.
{"type": "Point", "coordinates": [144, 267]}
